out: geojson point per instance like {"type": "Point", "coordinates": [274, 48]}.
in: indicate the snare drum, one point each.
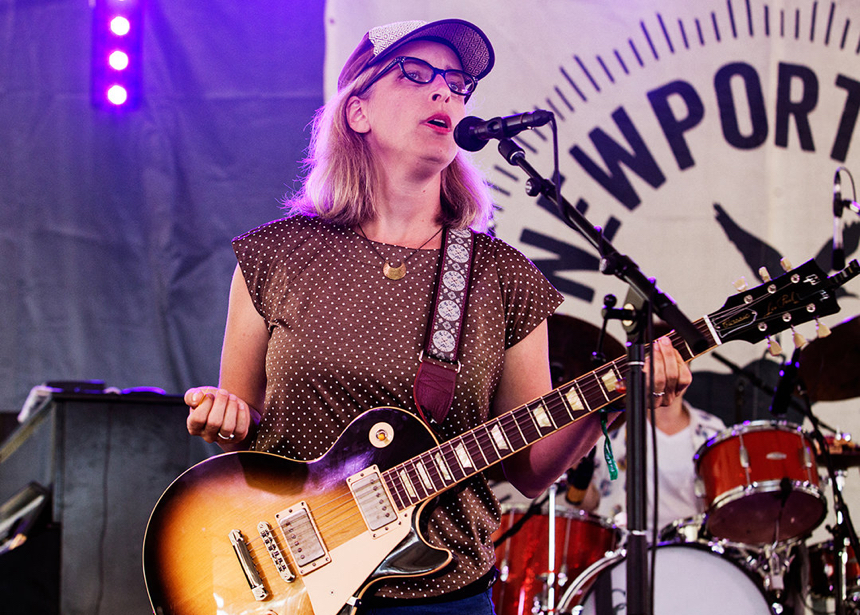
{"type": "Point", "coordinates": [760, 483]}
{"type": "Point", "coordinates": [523, 558]}
{"type": "Point", "coordinates": [690, 578]}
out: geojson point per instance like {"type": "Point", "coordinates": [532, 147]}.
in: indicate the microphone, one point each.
{"type": "Point", "coordinates": [472, 133]}
{"type": "Point", "coordinates": [787, 384]}
{"type": "Point", "coordinates": [838, 262]}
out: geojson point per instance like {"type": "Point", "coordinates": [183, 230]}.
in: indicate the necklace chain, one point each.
{"type": "Point", "coordinates": [396, 271]}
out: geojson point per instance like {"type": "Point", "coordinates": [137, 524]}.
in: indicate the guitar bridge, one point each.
{"type": "Point", "coordinates": [255, 582]}
{"type": "Point", "coordinates": [275, 552]}
{"type": "Point", "coordinates": [302, 538]}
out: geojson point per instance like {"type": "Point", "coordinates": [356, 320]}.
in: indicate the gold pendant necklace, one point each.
{"type": "Point", "coordinates": [396, 270]}
{"type": "Point", "coordinates": [394, 273]}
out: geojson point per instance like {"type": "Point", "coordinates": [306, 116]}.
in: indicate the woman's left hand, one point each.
{"type": "Point", "coordinates": [672, 376]}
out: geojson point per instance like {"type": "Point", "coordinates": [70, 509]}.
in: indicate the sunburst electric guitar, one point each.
{"type": "Point", "coordinates": [251, 533]}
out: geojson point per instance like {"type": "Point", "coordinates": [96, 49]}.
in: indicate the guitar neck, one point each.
{"type": "Point", "coordinates": [428, 474]}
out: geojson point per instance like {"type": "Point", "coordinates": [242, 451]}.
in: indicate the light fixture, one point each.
{"type": "Point", "coordinates": [117, 58]}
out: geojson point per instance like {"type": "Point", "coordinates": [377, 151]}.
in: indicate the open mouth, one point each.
{"type": "Point", "coordinates": [438, 121]}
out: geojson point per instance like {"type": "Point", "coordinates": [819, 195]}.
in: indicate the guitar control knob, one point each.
{"type": "Point", "coordinates": [381, 435]}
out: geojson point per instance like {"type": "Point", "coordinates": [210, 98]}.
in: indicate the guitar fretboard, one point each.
{"type": "Point", "coordinates": [426, 475]}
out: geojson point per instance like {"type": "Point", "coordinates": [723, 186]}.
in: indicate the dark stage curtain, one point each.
{"type": "Point", "coordinates": [115, 229]}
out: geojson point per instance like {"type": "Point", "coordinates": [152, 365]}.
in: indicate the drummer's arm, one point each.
{"type": "Point", "coordinates": [591, 500]}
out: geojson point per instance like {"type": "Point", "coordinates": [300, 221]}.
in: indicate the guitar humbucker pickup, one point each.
{"type": "Point", "coordinates": [302, 538]}
{"type": "Point", "coordinates": [373, 499]}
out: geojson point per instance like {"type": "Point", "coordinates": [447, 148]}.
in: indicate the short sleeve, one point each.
{"type": "Point", "coordinates": [528, 296]}
{"type": "Point", "coordinates": [272, 255]}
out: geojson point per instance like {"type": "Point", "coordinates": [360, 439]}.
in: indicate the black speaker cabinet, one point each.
{"type": "Point", "coordinates": [105, 459]}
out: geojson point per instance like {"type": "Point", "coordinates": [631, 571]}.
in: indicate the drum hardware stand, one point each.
{"type": "Point", "coordinates": [613, 262]}
{"type": "Point", "coordinates": [550, 575]}
{"type": "Point", "coordinates": [843, 532]}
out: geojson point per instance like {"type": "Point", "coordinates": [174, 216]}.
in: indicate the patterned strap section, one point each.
{"type": "Point", "coordinates": [437, 374]}
{"type": "Point", "coordinates": [452, 292]}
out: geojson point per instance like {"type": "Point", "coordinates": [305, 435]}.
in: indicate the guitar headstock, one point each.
{"type": "Point", "coordinates": [797, 296]}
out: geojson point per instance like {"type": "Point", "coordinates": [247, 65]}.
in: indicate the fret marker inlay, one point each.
{"type": "Point", "coordinates": [463, 456]}
{"type": "Point", "coordinates": [610, 381]}
{"type": "Point", "coordinates": [443, 467]}
{"type": "Point", "coordinates": [573, 400]}
{"type": "Point", "coordinates": [425, 478]}
{"type": "Point", "coordinates": [499, 438]}
{"type": "Point", "coordinates": [404, 478]}
{"type": "Point", "coordinates": [541, 417]}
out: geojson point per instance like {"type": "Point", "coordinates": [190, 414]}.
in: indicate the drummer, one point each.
{"type": "Point", "coordinates": [681, 430]}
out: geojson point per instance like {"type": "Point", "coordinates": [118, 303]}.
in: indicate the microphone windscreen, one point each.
{"type": "Point", "coordinates": [463, 136]}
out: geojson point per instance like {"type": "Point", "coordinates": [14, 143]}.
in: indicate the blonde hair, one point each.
{"type": "Point", "coordinates": [341, 177]}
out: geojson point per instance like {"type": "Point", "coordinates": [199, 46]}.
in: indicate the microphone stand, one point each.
{"type": "Point", "coordinates": [612, 262]}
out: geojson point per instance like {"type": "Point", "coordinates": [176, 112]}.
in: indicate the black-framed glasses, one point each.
{"type": "Point", "coordinates": [419, 71]}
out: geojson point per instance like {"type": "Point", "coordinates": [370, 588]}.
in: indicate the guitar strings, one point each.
{"type": "Point", "coordinates": [585, 387]}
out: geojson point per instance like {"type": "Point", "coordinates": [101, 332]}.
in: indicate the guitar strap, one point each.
{"type": "Point", "coordinates": [438, 369]}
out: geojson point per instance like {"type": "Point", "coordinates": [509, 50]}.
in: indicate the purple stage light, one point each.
{"type": "Point", "coordinates": [116, 80]}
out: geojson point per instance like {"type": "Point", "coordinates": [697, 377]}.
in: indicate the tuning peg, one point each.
{"type": "Point", "coordinates": [764, 274]}
{"type": "Point", "coordinates": [741, 284]}
{"type": "Point", "coordinates": [822, 329]}
{"type": "Point", "coordinates": [773, 347]}
{"type": "Point", "coordinates": [799, 340]}
{"type": "Point", "coordinates": [785, 264]}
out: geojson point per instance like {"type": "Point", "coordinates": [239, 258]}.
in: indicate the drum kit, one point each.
{"type": "Point", "coordinates": [746, 554]}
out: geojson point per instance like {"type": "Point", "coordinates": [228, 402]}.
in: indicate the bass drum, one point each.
{"type": "Point", "coordinates": [690, 579]}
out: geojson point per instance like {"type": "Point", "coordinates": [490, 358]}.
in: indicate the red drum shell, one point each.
{"type": "Point", "coordinates": [760, 483]}
{"type": "Point", "coordinates": [523, 559]}
{"type": "Point", "coordinates": [822, 572]}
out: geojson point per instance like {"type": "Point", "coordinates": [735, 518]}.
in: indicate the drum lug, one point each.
{"type": "Point", "coordinates": [504, 571]}
{"type": "Point", "coordinates": [561, 578]}
{"type": "Point", "coordinates": [745, 457]}
{"type": "Point", "coordinates": [699, 487]}
{"type": "Point", "coordinates": [805, 457]}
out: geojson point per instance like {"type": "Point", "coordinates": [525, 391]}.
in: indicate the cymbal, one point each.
{"type": "Point", "coordinates": [571, 344]}
{"type": "Point", "coordinates": [829, 365]}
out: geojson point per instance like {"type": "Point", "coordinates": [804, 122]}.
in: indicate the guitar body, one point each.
{"type": "Point", "coordinates": [191, 567]}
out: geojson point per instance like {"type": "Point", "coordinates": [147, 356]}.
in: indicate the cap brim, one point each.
{"type": "Point", "coordinates": [467, 40]}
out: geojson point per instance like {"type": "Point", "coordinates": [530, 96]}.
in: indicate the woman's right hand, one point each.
{"type": "Point", "coordinates": [216, 415]}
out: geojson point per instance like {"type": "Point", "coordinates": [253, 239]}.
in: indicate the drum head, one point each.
{"type": "Point", "coordinates": [690, 579]}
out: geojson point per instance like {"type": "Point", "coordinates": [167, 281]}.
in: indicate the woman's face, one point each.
{"type": "Point", "coordinates": [408, 123]}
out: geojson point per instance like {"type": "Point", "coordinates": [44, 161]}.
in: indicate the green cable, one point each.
{"type": "Point", "coordinates": [607, 449]}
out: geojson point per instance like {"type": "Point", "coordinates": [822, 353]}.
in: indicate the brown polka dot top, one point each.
{"type": "Point", "coordinates": [344, 339]}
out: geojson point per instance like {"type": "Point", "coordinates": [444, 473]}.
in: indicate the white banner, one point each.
{"type": "Point", "coordinates": [704, 137]}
